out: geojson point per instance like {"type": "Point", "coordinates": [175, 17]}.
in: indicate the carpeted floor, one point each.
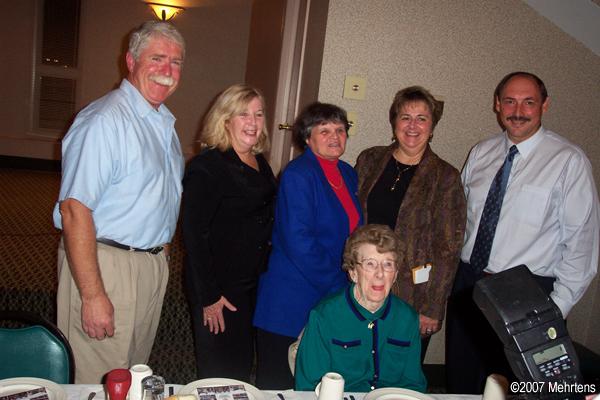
{"type": "Point", "coordinates": [28, 241]}
{"type": "Point", "coordinates": [28, 279]}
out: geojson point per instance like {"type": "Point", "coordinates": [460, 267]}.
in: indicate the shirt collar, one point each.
{"type": "Point", "coordinates": [231, 155]}
{"type": "Point", "coordinates": [362, 313]}
{"type": "Point", "coordinates": [140, 104]}
{"type": "Point", "coordinates": [527, 146]}
{"type": "Point", "coordinates": [327, 164]}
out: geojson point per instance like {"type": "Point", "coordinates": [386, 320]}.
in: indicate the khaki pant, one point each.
{"type": "Point", "coordinates": [136, 283]}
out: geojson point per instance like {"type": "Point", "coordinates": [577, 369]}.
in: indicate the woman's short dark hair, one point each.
{"type": "Point", "coordinates": [533, 77]}
{"type": "Point", "coordinates": [315, 114]}
{"type": "Point", "coordinates": [410, 95]}
{"type": "Point", "coordinates": [381, 236]}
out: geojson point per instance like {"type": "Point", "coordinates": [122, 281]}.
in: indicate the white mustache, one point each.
{"type": "Point", "coordinates": [163, 80]}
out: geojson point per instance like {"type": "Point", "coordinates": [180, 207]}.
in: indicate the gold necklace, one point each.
{"type": "Point", "coordinates": [416, 158]}
{"type": "Point", "coordinates": [336, 187]}
{"type": "Point", "coordinates": [399, 174]}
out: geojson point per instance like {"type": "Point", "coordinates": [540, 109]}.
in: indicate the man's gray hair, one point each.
{"type": "Point", "coordinates": [140, 37]}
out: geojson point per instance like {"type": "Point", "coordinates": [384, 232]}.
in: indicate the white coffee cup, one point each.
{"type": "Point", "coordinates": [138, 372]}
{"type": "Point", "coordinates": [331, 387]}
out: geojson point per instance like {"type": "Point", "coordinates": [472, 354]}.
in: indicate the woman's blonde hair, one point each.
{"type": "Point", "coordinates": [228, 104]}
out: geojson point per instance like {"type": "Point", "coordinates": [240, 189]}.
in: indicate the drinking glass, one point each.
{"type": "Point", "coordinates": [118, 382]}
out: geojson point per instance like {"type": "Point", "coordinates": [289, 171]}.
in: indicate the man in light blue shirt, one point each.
{"type": "Point", "coordinates": [118, 207]}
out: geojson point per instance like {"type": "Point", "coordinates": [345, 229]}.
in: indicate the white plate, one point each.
{"type": "Point", "coordinates": [18, 385]}
{"type": "Point", "coordinates": [396, 394]}
{"type": "Point", "coordinates": [190, 388]}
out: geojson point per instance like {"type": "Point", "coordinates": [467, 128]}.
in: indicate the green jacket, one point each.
{"type": "Point", "coordinates": [370, 350]}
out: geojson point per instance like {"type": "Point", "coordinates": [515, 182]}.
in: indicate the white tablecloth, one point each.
{"type": "Point", "coordinates": [81, 392]}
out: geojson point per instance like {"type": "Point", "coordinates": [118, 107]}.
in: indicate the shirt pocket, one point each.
{"type": "Point", "coordinates": [474, 209]}
{"type": "Point", "coordinates": [351, 357]}
{"type": "Point", "coordinates": [399, 343]}
{"type": "Point", "coordinates": [396, 352]}
{"type": "Point", "coordinates": [345, 344]}
{"type": "Point", "coordinates": [531, 204]}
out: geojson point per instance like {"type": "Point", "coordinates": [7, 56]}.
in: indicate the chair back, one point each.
{"type": "Point", "coordinates": [39, 350]}
{"type": "Point", "coordinates": [293, 352]}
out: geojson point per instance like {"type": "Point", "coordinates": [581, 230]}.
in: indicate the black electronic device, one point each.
{"type": "Point", "coordinates": [531, 327]}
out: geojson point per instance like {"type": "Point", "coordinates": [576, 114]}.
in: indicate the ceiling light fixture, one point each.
{"type": "Point", "coordinates": [165, 12]}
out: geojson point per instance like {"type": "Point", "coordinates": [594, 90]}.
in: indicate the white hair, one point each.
{"type": "Point", "coordinates": [140, 37]}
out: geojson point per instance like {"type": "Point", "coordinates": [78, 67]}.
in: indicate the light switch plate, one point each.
{"type": "Point", "coordinates": [352, 118]}
{"type": "Point", "coordinates": [355, 87]}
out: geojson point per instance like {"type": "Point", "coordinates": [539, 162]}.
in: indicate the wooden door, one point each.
{"type": "Point", "coordinates": [285, 52]}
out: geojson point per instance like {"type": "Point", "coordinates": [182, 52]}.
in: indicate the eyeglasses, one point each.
{"type": "Point", "coordinates": [371, 265]}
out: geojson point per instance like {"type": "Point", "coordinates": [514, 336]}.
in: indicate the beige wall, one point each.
{"type": "Point", "coordinates": [460, 50]}
{"type": "Point", "coordinates": [217, 39]}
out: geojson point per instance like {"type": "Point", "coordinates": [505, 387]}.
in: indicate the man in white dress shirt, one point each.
{"type": "Point", "coordinates": [549, 221]}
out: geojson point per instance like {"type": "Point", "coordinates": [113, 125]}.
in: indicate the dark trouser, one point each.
{"type": "Point", "coordinates": [229, 354]}
{"type": "Point", "coordinates": [473, 349]}
{"type": "Point", "coordinates": [272, 368]}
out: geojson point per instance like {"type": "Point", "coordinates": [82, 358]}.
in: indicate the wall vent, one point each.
{"type": "Point", "coordinates": [57, 102]}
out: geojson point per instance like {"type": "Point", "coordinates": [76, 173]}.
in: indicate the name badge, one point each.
{"type": "Point", "coordinates": [420, 274]}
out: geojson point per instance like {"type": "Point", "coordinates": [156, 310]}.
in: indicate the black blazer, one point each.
{"type": "Point", "coordinates": [227, 217]}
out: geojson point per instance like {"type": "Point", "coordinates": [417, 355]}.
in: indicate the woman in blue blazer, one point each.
{"type": "Point", "coordinates": [315, 212]}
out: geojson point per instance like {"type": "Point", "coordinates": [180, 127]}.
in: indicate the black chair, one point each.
{"type": "Point", "coordinates": [37, 348]}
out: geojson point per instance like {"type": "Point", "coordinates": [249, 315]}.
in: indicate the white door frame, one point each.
{"type": "Point", "coordinates": [289, 82]}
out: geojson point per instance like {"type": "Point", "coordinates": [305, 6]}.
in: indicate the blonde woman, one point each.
{"type": "Point", "coordinates": [229, 190]}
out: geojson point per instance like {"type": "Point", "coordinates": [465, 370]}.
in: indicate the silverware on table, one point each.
{"type": "Point", "coordinates": [91, 395]}
{"type": "Point", "coordinates": [280, 395]}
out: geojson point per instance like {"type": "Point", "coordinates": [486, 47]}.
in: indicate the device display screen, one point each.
{"type": "Point", "coordinates": [549, 354]}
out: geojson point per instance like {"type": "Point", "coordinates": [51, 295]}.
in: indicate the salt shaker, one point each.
{"type": "Point", "coordinates": [153, 387]}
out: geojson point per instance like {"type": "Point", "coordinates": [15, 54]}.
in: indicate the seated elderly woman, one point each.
{"type": "Point", "coordinates": [371, 338]}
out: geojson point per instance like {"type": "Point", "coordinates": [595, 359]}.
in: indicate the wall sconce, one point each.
{"type": "Point", "coordinates": [165, 12]}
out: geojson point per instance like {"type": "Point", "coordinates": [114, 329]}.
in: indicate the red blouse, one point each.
{"type": "Point", "coordinates": [336, 181]}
